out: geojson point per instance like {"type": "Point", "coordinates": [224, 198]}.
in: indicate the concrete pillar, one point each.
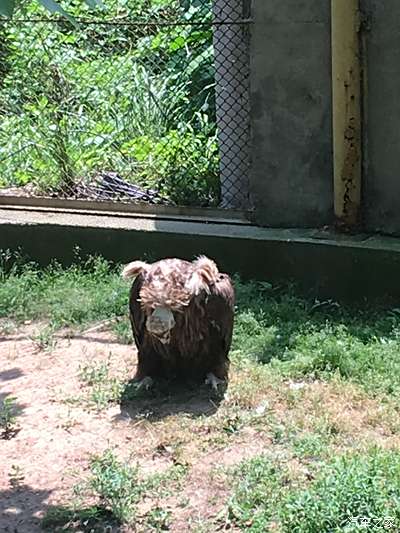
{"type": "Point", "coordinates": [381, 183]}
{"type": "Point", "coordinates": [291, 180]}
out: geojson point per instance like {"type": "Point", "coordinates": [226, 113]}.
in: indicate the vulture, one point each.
{"type": "Point", "coordinates": [182, 315]}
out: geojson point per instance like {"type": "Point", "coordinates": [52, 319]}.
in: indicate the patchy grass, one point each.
{"type": "Point", "coordinates": [297, 337]}
{"type": "Point", "coordinates": [337, 496]}
{"type": "Point", "coordinates": [91, 519]}
{"type": "Point", "coordinates": [117, 489]}
{"type": "Point", "coordinates": [310, 381]}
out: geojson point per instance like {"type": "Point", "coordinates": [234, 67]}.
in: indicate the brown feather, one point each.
{"type": "Point", "coordinates": [202, 302]}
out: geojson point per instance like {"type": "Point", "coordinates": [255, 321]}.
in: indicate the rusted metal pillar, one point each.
{"type": "Point", "coordinates": [346, 105]}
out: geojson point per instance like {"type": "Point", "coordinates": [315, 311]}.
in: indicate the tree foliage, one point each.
{"type": "Point", "coordinates": [7, 7]}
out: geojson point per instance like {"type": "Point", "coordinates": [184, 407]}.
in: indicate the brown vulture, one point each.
{"type": "Point", "coordinates": [181, 314]}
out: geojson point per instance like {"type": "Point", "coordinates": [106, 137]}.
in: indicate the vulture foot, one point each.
{"type": "Point", "coordinates": [145, 383]}
{"type": "Point", "coordinates": [213, 381]}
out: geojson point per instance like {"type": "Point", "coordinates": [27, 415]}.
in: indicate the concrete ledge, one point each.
{"type": "Point", "coordinates": [344, 267]}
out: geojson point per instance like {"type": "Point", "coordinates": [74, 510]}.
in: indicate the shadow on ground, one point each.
{"type": "Point", "coordinates": [12, 373]}
{"type": "Point", "coordinates": [21, 508]}
{"type": "Point", "coordinates": [83, 520]}
{"type": "Point", "coordinates": [169, 398]}
{"type": "Point", "coordinates": [24, 510]}
{"type": "Point", "coordinates": [92, 338]}
{"type": "Point", "coordinates": [13, 338]}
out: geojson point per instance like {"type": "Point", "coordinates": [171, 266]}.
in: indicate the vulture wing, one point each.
{"type": "Point", "coordinates": [137, 316]}
{"type": "Point", "coordinates": [220, 313]}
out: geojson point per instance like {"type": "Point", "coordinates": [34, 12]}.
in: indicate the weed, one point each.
{"type": "Point", "coordinates": [116, 485]}
{"type": "Point", "coordinates": [45, 339]}
{"type": "Point", "coordinates": [103, 388]}
{"type": "Point", "coordinates": [16, 477]}
{"type": "Point", "coordinates": [94, 373]}
{"type": "Point", "coordinates": [158, 519]}
{"type": "Point", "coordinates": [8, 417]}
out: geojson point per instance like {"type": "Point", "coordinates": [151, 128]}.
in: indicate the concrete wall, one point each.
{"type": "Point", "coordinates": [291, 178]}
{"type": "Point", "coordinates": [290, 92]}
{"type": "Point", "coordinates": [327, 265]}
{"type": "Point", "coordinates": [381, 193]}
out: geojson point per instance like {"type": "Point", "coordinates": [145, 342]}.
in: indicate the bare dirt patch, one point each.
{"type": "Point", "coordinates": [58, 429]}
{"type": "Point", "coordinates": [54, 439]}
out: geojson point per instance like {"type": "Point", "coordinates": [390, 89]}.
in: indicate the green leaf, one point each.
{"type": "Point", "coordinates": [177, 43]}
{"type": "Point", "coordinates": [54, 7]}
{"type": "Point", "coordinates": [7, 7]}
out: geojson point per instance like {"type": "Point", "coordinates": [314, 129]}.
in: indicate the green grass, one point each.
{"type": "Point", "coordinates": [76, 296]}
{"type": "Point", "coordinates": [303, 339]}
{"type": "Point", "coordinates": [334, 497]}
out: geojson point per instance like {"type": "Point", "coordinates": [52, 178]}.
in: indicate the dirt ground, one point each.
{"type": "Point", "coordinates": [57, 432]}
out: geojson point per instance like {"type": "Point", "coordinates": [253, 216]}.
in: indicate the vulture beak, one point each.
{"type": "Point", "coordinates": [160, 323]}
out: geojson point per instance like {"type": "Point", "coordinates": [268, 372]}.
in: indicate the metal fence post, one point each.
{"type": "Point", "coordinates": [232, 101]}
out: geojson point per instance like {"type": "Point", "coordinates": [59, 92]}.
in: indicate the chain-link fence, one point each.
{"type": "Point", "coordinates": [146, 101]}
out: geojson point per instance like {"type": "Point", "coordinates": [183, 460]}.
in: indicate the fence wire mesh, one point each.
{"type": "Point", "coordinates": [147, 101]}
